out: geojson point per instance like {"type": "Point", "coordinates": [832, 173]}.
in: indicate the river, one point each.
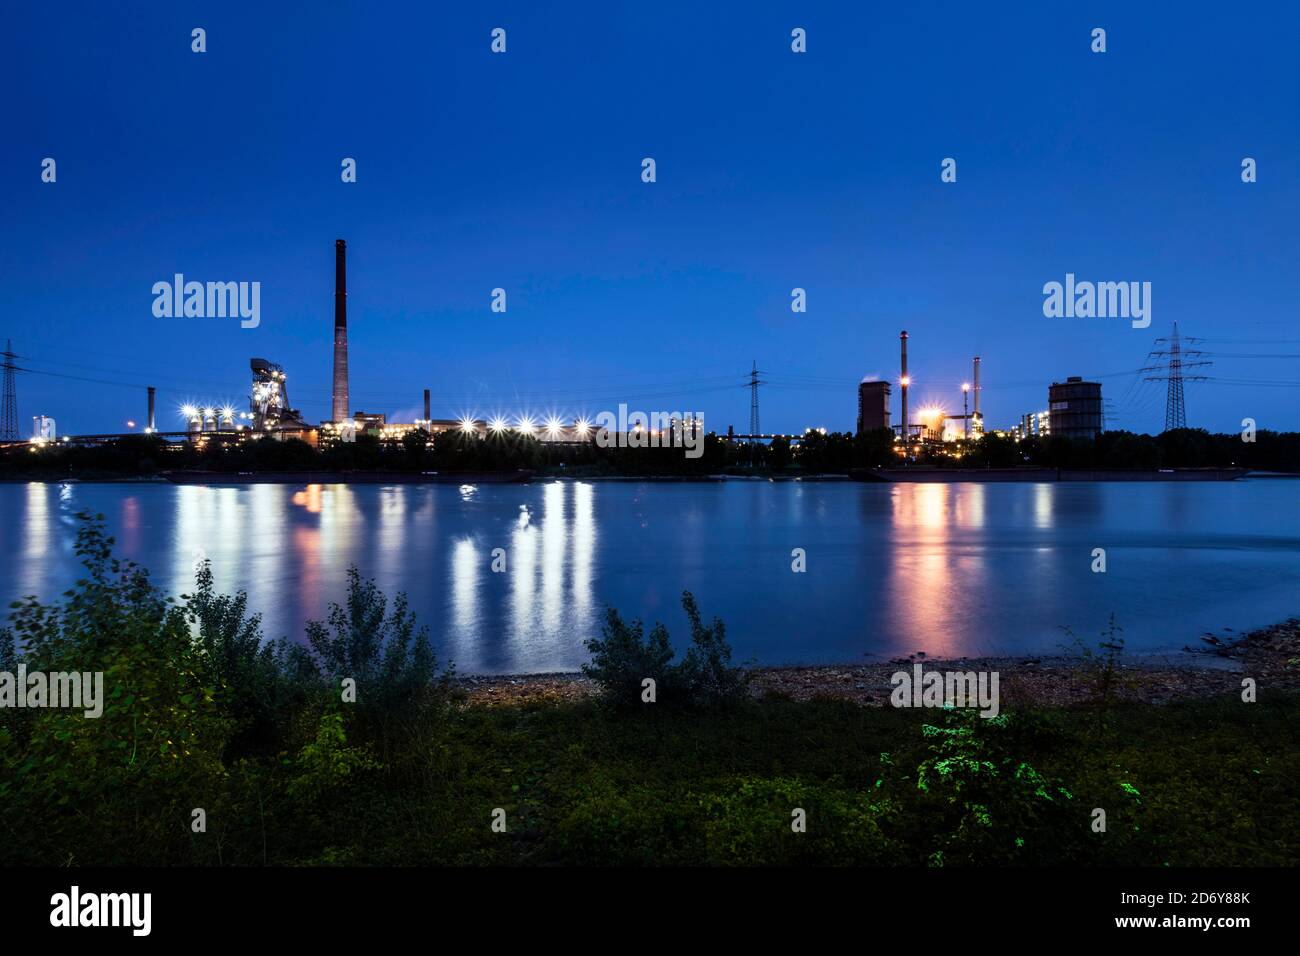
{"type": "Point", "coordinates": [948, 569]}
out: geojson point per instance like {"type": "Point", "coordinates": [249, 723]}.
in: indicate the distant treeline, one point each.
{"type": "Point", "coordinates": [814, 453]}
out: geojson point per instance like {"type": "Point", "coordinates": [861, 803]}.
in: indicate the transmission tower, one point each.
{"type": "Point", "coordinates": [752, 385]}
{"type": "Point", "coordinates": [9, 416]}
{"type": "Point", "coordinates": [1170, 363]}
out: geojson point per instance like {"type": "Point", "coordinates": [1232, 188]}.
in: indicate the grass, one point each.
{"type": "Point", "coordinates": [1197, 783]}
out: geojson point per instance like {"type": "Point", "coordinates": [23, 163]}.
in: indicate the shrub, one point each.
{"type": "Point", "coordinates": [625, 656]}
{"type": "Point", "coordinates": [389, 657]}
{"type": "Point", "coordinates": [123, 783]}
{"type": "Point", "coordinates": [258, 682]}
{"type": "Point", "coordinates": [706, 674]}
{"type": "Point", "coordinates": [981, 802]}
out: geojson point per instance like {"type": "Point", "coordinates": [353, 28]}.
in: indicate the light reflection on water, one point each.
{"type": "Point", "coordinates": [951, 569]}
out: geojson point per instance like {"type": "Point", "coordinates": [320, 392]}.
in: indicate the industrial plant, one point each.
{"type": "Point", "coordinates": [1074, 410]}
{"type": "Point", "coordinates": [1074, 407]}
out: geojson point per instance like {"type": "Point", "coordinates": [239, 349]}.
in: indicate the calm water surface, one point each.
{"type": "Point", "coordinates": [950, 569]}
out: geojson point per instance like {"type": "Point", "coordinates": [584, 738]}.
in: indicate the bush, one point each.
{"type": "Point", "coordinates": [389, 657]}
{"type": "Point", "coordinates": [981, 803]}
{"type": "Point", "coordinates": [258, 683]}
{"type": "Point", "coordinates": [625, 656]}
{"type": "Point", "coordinates": [705, 675]}
{"type": "Point", "coordinates": [124, 783]}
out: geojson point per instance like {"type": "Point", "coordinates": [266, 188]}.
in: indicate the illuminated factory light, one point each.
{"type": "Point", "coordinates": [209, 412]}
{"type": "Point", "coordinates": [525, 426]}
{"type": "Point", "coordinates": [582, 427]}
{"type": "Point", "coordinates": [553, 427]}
{"type": "Point", "coordinates": [467, 425]}
{"type": "Point", "coordinates": [228, 413]}
{"type": "Point", "coordinates": [965, 386]}
{"type": "Point", "coordinates": [498, 425]}
{"type": "Point", "coordinates": [189, 412]}
{"type": "Point", "coordinates": [905, 380]}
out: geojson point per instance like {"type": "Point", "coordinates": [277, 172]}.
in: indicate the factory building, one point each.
{"type": "Point", "coordinates": [1074, 408]}
{"type": "Point", "coordinates": [873, 405]}
{"type": "Point", "coordinates": [269, 409]}
{"type": "Point", "coordinates": [1032, 425]}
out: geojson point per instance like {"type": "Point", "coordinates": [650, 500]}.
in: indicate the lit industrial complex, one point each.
{"type": "Point", "coordinates": [1074, 411]}
{"type": "Point", "coordinates": [1074, 408]}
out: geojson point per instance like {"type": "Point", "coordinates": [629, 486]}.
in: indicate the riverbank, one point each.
{"type": "Point", "coordinates": [1270, 655]}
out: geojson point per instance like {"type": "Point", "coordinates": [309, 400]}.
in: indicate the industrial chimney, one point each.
{"type": "Point", "coordinates": [427, 417]}
{"type": "Point", "coordinates": [903, 382]}
{"type": "Point", "coordinates": [975, 387]}
{"type": "Point", "coordinates": [152, 428]}
{"type": "Point", "coordinates": [339, 412]}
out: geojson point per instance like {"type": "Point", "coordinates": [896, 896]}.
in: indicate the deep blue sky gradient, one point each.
{"type": "Point", "coordinates": [775, 170]}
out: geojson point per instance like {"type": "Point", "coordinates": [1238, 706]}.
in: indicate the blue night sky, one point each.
{"type": "Point", "coordinates": [775, 170]}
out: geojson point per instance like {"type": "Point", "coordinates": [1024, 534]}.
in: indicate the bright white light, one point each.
{"type": "Point", "coordinates": [553, 427]}
{"type": "Point", "coordinates": [582, 427]}
{"type": "Point", "coordinates": [905, 380]}
{"type": "Point", "coordinates": [525, 426]}
{"type": "Point", "coordinates": [467, 425]}
{"type": "Point", "coordinates": [228, 413]}
{"type": "Point", "coordinates": [209, 413]}
{"type": "Point", "coordinates": [189, 412]}
{"type": "Point", "coordinates": [498, 425]}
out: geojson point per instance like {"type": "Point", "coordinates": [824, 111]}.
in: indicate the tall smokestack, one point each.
{"type": "Point", "coordinates": [976, 385]}
{"type": "Point", "coordinates": [427, 416]}
{"type": "Point", "coordinates": [150, 419]}
{"type": "Point", "coordinates": [339, 412]}
{"type": "Point", "coordinates": [903, 383]}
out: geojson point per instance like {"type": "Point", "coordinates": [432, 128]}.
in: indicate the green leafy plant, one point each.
{"type": "Point", "coordinates": [983, 802]}
{"type": "Point", "coordinates": [624, 656]}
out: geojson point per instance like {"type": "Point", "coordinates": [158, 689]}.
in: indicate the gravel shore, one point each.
{"type": "Point", "coordinates": [1270, 655]}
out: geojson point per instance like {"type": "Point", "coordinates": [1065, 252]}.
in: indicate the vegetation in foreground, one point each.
{"type": "Point", "coordinates": [203, 714]}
